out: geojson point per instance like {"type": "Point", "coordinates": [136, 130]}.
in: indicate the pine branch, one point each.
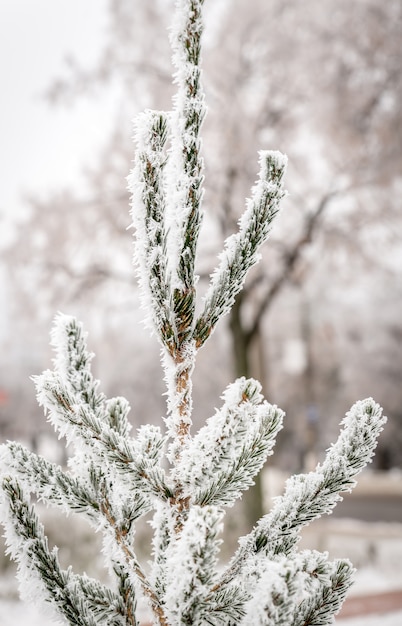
{"type": "Point", "coordinates": [49, 482]}
{"type": "Point", "coordinates": [137, 459]}
{"type": "Point", "coordinates": [185, 175]}
{"type": "Point", "coordinates": [53, 486]}
{"type": "Point", "coordinates": [79, 412]}
{"type": "Point", "coordinates": [223, 607]}
{"type": "Point", "coordinates": [107, 606]}
{"type": "Point", "coordinates": [185, 159]}
{"type": "Point", "coordinates": [289, 590]}
{"type": "Point", "coordinates": [147, 185]}
{"type": "Point", "coordinates": [117, 410]}
{"type": "Point", "coordinates": [225, 455]}
{"type": "Point", "coordinates": [162, 525]}
{"type": "Point", "coordinates": [127, 594]}
{"type": "Point", "coordinates": [73, 362]}
{"type": "Point", "coordinates": [126, 564]}
{"type": "Point", "coordinates": [38, 564]}
{"type": "Point", "coordinates": [191, 565]}
{"type": "Point", "coordinates": [318, 609]}
{"type": "Point", "coordinates": [308, 496]}
{"type": "Point", "coordinates": [241, 250]}
{"type": "Point", "coordinates": [273, 593]}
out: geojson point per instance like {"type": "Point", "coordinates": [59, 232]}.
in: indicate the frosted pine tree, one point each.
{"type": "Point", "coordinates": [184, 480]}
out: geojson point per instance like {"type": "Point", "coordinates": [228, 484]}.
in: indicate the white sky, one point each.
{"type": "Point", "coordinates": [44, 147]}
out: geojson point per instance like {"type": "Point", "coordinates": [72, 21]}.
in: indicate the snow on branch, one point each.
{"type": "Point", "coordinates": [326, 601]}
{"type": "Point", "coordinates": [117, 410]}
{"type": "Point", "coordinates": [191, 564]}
{"type": "Point", "coordinates": [225, 455]}
{"type": "Point", "coordinates": [308, 496]}
{"type": "Point", "coordinates": [224, 606]}
{"type": "Point", "coordinates": [302, 590]}
{"type": "Point", "coordinates": [49, 481]}
{"type": "Point", "coordinates": [185, 161]}
{"type": "Point", "coordinates": [78, 412]}
{"type": "Point", "coordinates": [241, 249]}
{"type": "Point", "coordinates": [274, 592]}
{"type": "Point", "coordinates": [73, 360]}
{"type": "Point", "coordinates": [136, 460]}
{"type": "Point", "coordinates": [80, 600]}
{"type": "Point", "coordinates": [148, 210]}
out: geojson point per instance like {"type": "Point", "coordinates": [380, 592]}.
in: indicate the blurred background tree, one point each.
{"type": "Point", "coordinates": [319, 321]}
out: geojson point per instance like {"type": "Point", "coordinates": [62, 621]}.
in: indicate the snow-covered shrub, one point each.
{"type": "Point", "coordinates": [184, 481]}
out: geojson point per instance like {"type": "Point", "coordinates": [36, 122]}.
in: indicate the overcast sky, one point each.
{"type": "Point", "coordinates": [43, 147]}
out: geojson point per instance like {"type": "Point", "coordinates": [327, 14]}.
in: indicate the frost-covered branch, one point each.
{"type": "Point", "coordinates": [241, 249]}
{"type": "Point", "coordinates": [78, 412]}
{"type": "Point", "coordinates": [49, 482]}
{"type": "Point", "coordinates": [136, 460]}
{"type": "Point", "coordinates": [308, 496]}
{"type": "Point", "coordinates": [225, 455]}
{"type": "Point", "coordinates": [81, 601]}
{"type": "Point", "coordinates": [118, 544]}
{"type": "Point", "coordinates": [186, 164]}
{"type": "Point", "coordinates": [303, 590]}
{"type": "Point", "coordinates": [148, 209]}
{"type": "Point", "coordinates": [326, 601]}
{"type": "Point", "coordinates": [54, 486]}
{"type": "Point", "coordinates": [191, 564]}
{"type": "Point", "coordinates": [184, 215]}
{"type": "Point", "coordinates": [166, 209]}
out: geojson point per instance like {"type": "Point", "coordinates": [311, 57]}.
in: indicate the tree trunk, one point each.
{"type": "Point", "coordinates": [248, 361]}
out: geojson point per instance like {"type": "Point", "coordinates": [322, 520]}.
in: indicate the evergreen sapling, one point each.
{"type": "Point", "coordinates": [184, 481]}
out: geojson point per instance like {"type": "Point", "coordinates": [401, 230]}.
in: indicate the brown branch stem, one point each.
{"type": "Point", "coordinates": [132, 563]}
